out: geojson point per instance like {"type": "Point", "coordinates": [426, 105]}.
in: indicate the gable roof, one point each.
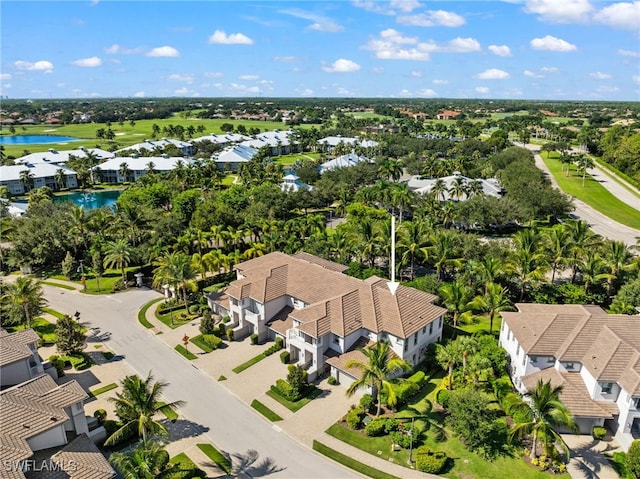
{"type": "Point", "coordinates": [139, 163]}
{"type": "Point", "coordinates": [91, 464]}
{"type": "Point", "coordinates": [38, 170]}
{"type": "Point", "coordinates": [55, 156]}
{"type": "Point", "coordinates": [15, 346]}
{"type": "Point", "coordinates": [334, 301]}
{"type": "Point", "coordinates": [235, 154]}
{"type": "Point", "coordinates": [608, 345]}
{"type": "Point", "coordinates": [344, 161]}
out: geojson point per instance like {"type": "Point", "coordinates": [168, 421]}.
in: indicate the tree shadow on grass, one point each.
{"type": "Point", "coordinates": [246, 465]}
{"type": "Point", "coordinates": [182, 428]}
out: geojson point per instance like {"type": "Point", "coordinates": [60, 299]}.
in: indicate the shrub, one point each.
{"type": "Point", "coordinates": [254, 338]}
{"type": "Point", "coordinates": [443, 397]}
{"type": "Point", "coordinates": [354, 418]}
{"type": "Point", "coordinates": [194, 308]}
{"type": "Point", "coordinates": [391, 425]}
{"type": "Point", "coordinates": [419, 378]}
{"type": "Point", "coordinates": [212, 340]}
{"type": "Point", "coordinates": [286, 391]}
{"type": "Point", "coordinates": [57, 363]}
{"type": "Point", "coordinates": [285, 356]}
{"type": "Point", "coordinates": [226, 319]}
{"type": "Point", "coordinates": [430, 461]}
{"type": "Point", "coordinates": [222, 328]}
{"type": "Point", "coordinates": [633, 459]}
{"type": "Point", "coordinates": [367, 402]}
{"type": "Point", "coordinates": [110, 426]}
{"type": "Point", "coordinates": [376, 427]}
{"type": "Point", "coordinates": [403, 439]}
{"type": "Point", "coordinates": [276, 347]}
{"type": "Point", "coordinates": [297, 379]}
{"type": "Point", "coordinates": [100, 415]}
{"type": "Point", "coordinates": [230, 334]}
{"type": "Point", "coordinates": [599, 433]}
{"type": "Point", "coordinates": [404, 391]}
{"type": "Point", "coordinates": [332, 381]}
{"type": "Point", "coordinates": [279, 341]}
{"type": "Point", "coordinates": [207, 325]}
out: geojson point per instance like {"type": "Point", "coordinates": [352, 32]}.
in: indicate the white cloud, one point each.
{"type": "Point", "coordinates": [462, 45]}
{"type": "Point", "coordinates": [433, 18]}
{"type": "Point", "coordinates": [165, 51]}
{"type": "Point", "coordinates": [550, 69]}
{"type": "Point", "coordinates": [483, 90]}
{"type": "Point", "coordinates": [91, 62]}
{"type": "Point", "coordinates": [560, 11]}
{"type": "Point", "coordinates": [223, 38]}
{"type": "Point", "coordinates": [529, 73]}
{"type": "Point", "coordinates": [213, 74]}
{"type": "Point", "coordinates": [416, 74]}
{"type": "Point", "coordinates": [440, 82]}
{"type": "Point", "coordinates": [342, 65]}
{"type": "Point", "coordinates": [344, 91]}
{"type": "Point", "coordinates": [428, 92]}
{"type": "Point", "coordinates": [377, 70]}
{"type": "Point", "coordinates": [636, 79]}
{"type": "Point", "coordinates": [493, 74]}
{"type": "Point", "coordinates": [5, 76]}
{"type": "Point", "coordinates": [119, 49]}
{"type": "Point", "coordinates": [180, 78]}
{"type": "Point", "coordinates": [287, 59]}
{"type": "Point", "coordinates": [405, 5]}
{"type": "Point", "coordinates": [373, 6]}
{"type": "Point", "coordinates": [600, 76]}
{"type": "Point", "coordinates": [500, 50]}
{"type": "Point", "coordinates": [623, 15]}
{"type": "Point", "coordinates": [41, 65]}
{"type": "Point", "coordinates": [306, 92]}
{"type": "Point", "coordinates": [319, 22]}
{"type": "Point", "coordinates": [629, 53]}
{"type": "Point", "coordinates": [392, 45]}
{"type": "Point", "coordinates": [553, 44]}
{"type": "Point", "coordinates": [139, 94]}
{"type": "Point", "coordinates": [249, 77]}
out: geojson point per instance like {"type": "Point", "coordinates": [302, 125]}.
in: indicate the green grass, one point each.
{"type": "Point", "coordinates": [44, 329]}
{"type": "Point", "coordinates": [350, 462]}
{"type": "Point", "coordinates": [293, 406]}
{"type": "Point", "coordinates": [188, 468]}
{"type": "Point", "coordinates": [107, 281]}
{"type": "Point", "coordinates": [248, 364]}
{"type": "Point", "coordinates": [57, 285]}
{"type": "Point", "coordinates": [166, 318]}
{"type": "Point", "coordinates": [222, 378]}
{"type": "Point", "coordinates": [108, 355]}
{"type": "Point", "coordinates": [623, 179]}
{"type": "Point", "coordinates": [220, 460]}
{"type": "Point", "coordinates": [593, 194]}
{"type": "Point", "coordinates": [265, 411]}
{"type": "Point", "coordinates": [228, 180]}
{"type": "Point", "coordinates": [198, 341]}
{"type": "Point", "coordinates": [53, 312]}
{"type": "Point", "coordinates": [103, 389]}
{"type": "Point", "coordinates": [169, 413]}
{"type": "Point", "coordinates": [142, 314]}
{"type": "Point", "coordinates": [187, 354]}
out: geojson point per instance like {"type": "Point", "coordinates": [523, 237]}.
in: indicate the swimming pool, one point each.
{"type": "Point", "coordinates": [35, 139]}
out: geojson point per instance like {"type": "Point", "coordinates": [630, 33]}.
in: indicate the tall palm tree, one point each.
{"type": "Point", "coordinates": [557, 245]}
{"type": "Point", "coordinates": [26, 178]}
{"type": "Point", "coordinates": [443, 252]}
{"type": "Point", "coordinates": [136, 407]}
{"type": "Point", "coordinates": [468, 347]}
{"type": "Point", "coordinates": [616, 256]}
{"type": "Point", "coordinates": [26, 296]}
{"type": "Point", "coordinates": [118, 254]}
{"type": "Point", "coordinates": [175, 269]}
{"type": "Point", "coordinates": [583, 240]}
{"type": "Point", "coordinates": [60, 178]}
{"type": "Point", "coordinates": [378, 368]}
{"type": "Point", "coordinates": [148, 460]}
{"type": "Point", "coordinates": [412, 241]}
{"type": "Point", "coordinates": [439, 188]}
{"type": "Point", "coordinates": [79, 221]}
{"type": "Point", "coordinates": [124, 171]}
{"type": "Point", "coordinates": [458, 188]}
{"type": "Point", "coordinates": [455, 297]}
{"type": "Point", "coordinates": [593, 270]}
{"type": "Point", "coordinates": [527, 267]}
{"type": "Point", "coordinates": [447, 356]}
{"type": "Point", "coordinates": [547, 412]}
{"type": "Point", "coordinates": [494, 300]}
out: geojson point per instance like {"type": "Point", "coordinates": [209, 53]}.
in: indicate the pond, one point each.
{"type": "Point", "coordinates": [91, 200]}
{"type": "Point", "coordinates": [35, 139]}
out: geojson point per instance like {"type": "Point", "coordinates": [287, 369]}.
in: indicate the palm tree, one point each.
{"type": "Point", "coordinates": [528, 267]}
{"type": "Point", "coordinates": [377, 369]}
{"type": "Point", "coordinates": [455, 297]}
{"type": "Point", "coordinates": [118, 254]}
{"type": "Point", "coordinates": [557, 244]}
{"type": "Point", "coordinates": [547, 412]}
{"type": "Point", "coordinates": [148, 460]}
{"type": "Point", "coordinates": [26, 296]}
{"type": "Point", "coordinates": [442, 252]}
{"type": "Point", "coordinates": [79, 223]}
{"type": "Point", "coordinates": [617, 255]}
{"type": "Point", "coordinates": [124, 171]}
{"type": "Point", "coordinates": [583, 240]}
{"type": "Point", "coordinates": [175, 269]}
{"type": "Point", "coordinates": [593, 270]}
{"type": "Point", "coordinates": [438, 189]}
{"type": "Point", "coordinates": [458, 188]}
{"type": "Point", "coordinates": [448, 356]}
{"type": "Point", "coordinates": [60, 178]}
{"type": "Point", "coordinates": [402, 198]}
{"type": "Point", "coordinates": [468, 346]}
{"type": "Point", "coordinates": [150, 168]}
{"type": "Point", "coordinates": [412, 241]}
{"type": "Point", "coordinates": [136, 407]}
{"type": "Point", "coordinates": [584, 162]}
{"type": "Point", "coordinates": [494, 300]}
{"type": "Point", "coordinates": [26, 178]}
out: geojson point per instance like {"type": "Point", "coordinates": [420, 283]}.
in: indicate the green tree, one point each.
{"type": "Point", "coordinates": [124, 171]}
{"type": "Point", "coordinates": [378, 368]}
{"type": "Point", "coordinates": [26, 178]}
{"type": "Point", "coordinates": [447, 356]}
{"type": "Point", "coordinates": [97, 264]}
{"type": "Point", "coordinates": [137, 405]}
{"type": "Point", "coordinates": [68, 266]}
{"type": "Point", "coordinates": [297, 378]}
{"type": "Point", "coordinates": [632, 459]}
{"type": "Point", "coordinates": [547, 412]}
{"type": "Point", "coordinates": [494, 300]}
{"type": "Point", "coordinates": [148, 460]}
{"type": "Point", "coordinates": [70, 338]}
{"type": "Point", "coordinates": [175, 269]}
{"type": "Point", "coordinates": [118, 254]}
{"type": "Point", "coordinates": [25, 299]}
{"type": "Point", "coordinates": [455, 297]}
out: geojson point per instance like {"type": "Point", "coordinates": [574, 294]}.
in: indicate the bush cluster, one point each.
{"type": "Point", "coordinates": [599, 433]}
{"type": "Point", "coordinates": [100, 415]}
{"type": "Point", "coordinates": [275, 348]}
{"type": "Point", "coordinates": [212, 340]}
{"type": "Point", "coordinates": [443, 397]}
{"type": "Point", "coordinates": [332, 381]}
{"type": "Point", "coordinates": [285, 357]}
{"type": "Point", "coordinates": [376, 427]}
{"type": "Point", "coordinates": [57, 363]}
{"type": "Point", "coordinates": [284, 389]}
{"type": "Point", "coordinates": [367, 402]}
{"type": "Point", "coordinates": [430, 461]}
{"type": "Point", "coordinates": [354, 417]}
{"type": "Point", "coordinates": [254, 338]}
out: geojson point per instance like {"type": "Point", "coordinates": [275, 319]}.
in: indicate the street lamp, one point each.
{"type": "Point", "coordinates": [83, 279]}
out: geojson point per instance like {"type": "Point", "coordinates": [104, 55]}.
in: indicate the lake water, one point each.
{"type": "Point", "coordinates": [34, 139]}
{"type": "Point", "coordinates": [91, 201]}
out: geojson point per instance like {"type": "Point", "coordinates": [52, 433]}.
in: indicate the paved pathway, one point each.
{"type": "Point", "coordinates": [614, 184]}
{"type": "Point", "coordinates": [587, 459]}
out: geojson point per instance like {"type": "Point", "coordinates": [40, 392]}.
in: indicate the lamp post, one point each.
{"type": "Point", "coordinates": [83, 278]}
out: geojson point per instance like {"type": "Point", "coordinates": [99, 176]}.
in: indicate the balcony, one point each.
{"type": "Point", "coordinates": [254, 318]}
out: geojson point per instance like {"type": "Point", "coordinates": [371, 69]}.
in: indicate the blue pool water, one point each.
{"type": "Point", "coordinates": [34, 139]}
{"type": "Point", "coordinates": [90, 201]}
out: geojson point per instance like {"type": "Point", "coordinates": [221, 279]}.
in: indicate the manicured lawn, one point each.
{"type": "Point", "coordinates": [220, 460]}
{"type": "Point", "coordinates": [592, 193]}
{"type": "Point", "coordinates": [142, 314]}
{"type": "Point", "coordinates": [57, 285]}
{"type": "Point", "coordinates": [248, 364]}
{"type": "Point", "coordinates": [169, 413]}
{"type": "Point", "coordinates": [312, 393]}
{"type": "Point", "coordinates": [44, 329]}
{"type": "Point", "coordinates": [187, 354]}
{"type": "Point", "coordinates": [53, 312]}
{"type": "Point", "coordinates": [188, 468]}
{"type": "Point", "coordinates": [350, 462]}
{"type": "Point", "coordinates": [173, 319]}
{"type": "Point", "coordinates": [265, 411]}
{"type": "Point", "coordinates": [103, 389]}
{"type": "Point", "coordinates": [198, 341]}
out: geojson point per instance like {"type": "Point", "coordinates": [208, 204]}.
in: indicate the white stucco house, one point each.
{"type": "Point", "coordinates": [138, 166]}
{"type": "Point", "coordinates": [56, 157]}
{"type": "Point", "coordinates": [595, 356]}
{"type": "Point", "coordinates": [223, 139]}
{"type": "Point", "coordinates": [185, 147]}
{"type": "Point", "coordinates": [278, 142]}
{"type": "Point", "coordinates": [19, 359]}
{"type": "Point", "coordinates": [324, 315]}
{"type": "Point", "coordinates": [344, 161]}
{"type": "Point", "coordinates": [232, 157]}
{"type": "Point", "coordinates": [328, 143]}
{"type": "Point", "coordinates": [40, 174]}
{"type": "Point", "coordinates": [487, 186]}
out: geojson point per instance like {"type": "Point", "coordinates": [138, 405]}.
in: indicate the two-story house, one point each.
{"type": "Point", "coordinates": [595, 356]}
{"type": "Point", "coordinates": [323, 315]}
{"type": "Point", "coordinates": [19, 358]}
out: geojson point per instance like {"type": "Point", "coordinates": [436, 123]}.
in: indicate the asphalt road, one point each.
{"type": "Point", "coordinates": [229, 423]}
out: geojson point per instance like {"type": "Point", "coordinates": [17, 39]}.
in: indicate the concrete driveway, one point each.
{"type": "Point", "coordinates": [587, 457]}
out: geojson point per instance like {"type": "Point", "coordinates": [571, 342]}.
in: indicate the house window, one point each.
{"type": "Point", "coordinates": [430, 328]}
{"type": "Point", "coordinates": [336, 339]}
{"type": "Point", "coordinates": [551, 359]}
{"type": "Point", "coordinates": [606, 388]}
{"type": "Point", "coordinates": [415, 339]}
{"type": "Point", "coordinates": [406, 345]}
{"type": "Point", "coordinates": [440, 322]}
{"type": "Point", "coordinates": [518, 350]}
{"type": "Point", "coordinates": [424, 329]}
{"type": "Point", "coordinates": [524, 359]}
{"type": "Point", "coordinates": [569, 366]}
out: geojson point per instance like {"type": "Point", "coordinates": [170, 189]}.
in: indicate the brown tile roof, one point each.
{"type": "Point", "coordinates": [330, 265]}
{"type": "Point", "coordinates": [281, 322]}
{"type": "Point", "coordinates": [608, 345]}
{"type": "Point", "coordinates": [14, 346]}
{"type": "Point", "coordinates": [339, 361]}
{"type": "Point", "coordinates": [88, 460]}
{"type": "Point", "coordinates": [336, 302]}
{"type": "Point", "coordinates": [574, 393]}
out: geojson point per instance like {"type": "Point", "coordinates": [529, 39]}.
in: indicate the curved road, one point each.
{"type": "Point", "coordinates": [230, 423]}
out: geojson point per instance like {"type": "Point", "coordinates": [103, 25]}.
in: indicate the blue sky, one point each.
{"type": "Point", "coordinates": [522, 49]}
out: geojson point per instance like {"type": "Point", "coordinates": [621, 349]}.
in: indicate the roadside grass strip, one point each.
{"type": "Point", "coordinates": [220, 460]}
{"type": "Point", "coordinates": [102, 390]}
{"type": "Point", "coordinates": [142, 314]}
{"type": "Point", "coordinates": [57, 285]}
{"type": "Point", "coordinates": [108, 355]}
{"type": "Point", "coordinates": [248, 364]}
{"type": "Point", "coordinates": [188, 468]}
{"type": "Point", "coordinates": [265, 411]}
{"type": "Point", "coordinates": [293, 406]}
{"type": "Point", "coordinates": [53, 312]}
{"type": "Point", "coordinates": [187, 354]}
{"type": "Point", "coordinates": [350, 462]}
{"type": "Point", "coordinates": [169, 413]}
